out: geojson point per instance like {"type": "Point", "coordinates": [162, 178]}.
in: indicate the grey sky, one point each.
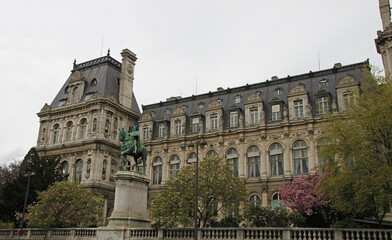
{"type": "Point", "coordinates": [218, 43]}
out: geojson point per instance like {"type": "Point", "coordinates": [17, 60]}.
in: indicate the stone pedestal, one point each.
{"type": "Point", "coordinates": [130, 201]}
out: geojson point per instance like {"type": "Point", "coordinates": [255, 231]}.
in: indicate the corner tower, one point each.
{"type": "Point", "coordinates": [384, 37]}
{"type": "Point", "coordinates": [81, 124]}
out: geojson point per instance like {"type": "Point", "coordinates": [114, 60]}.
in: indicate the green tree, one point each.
{"type": "Point", "coordinates": [14, 178]}
{"type": "Point", "coordinates": [359, 180]}
{"type": "Point", "coordinates": [65, 204]}
{"type": "Point", "coordinates": [219, 191]}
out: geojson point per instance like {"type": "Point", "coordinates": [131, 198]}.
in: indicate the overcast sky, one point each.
{"type": "Point", "coordinates": [216, 43]}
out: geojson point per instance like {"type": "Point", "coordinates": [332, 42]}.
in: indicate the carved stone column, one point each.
{"type": "Point", "coordinates": [130, 201]}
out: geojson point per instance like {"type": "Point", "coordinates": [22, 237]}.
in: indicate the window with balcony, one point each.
{"type": "Point", "coordinates": [276, 159]}
{"type": "Point", "coordinates": [157, 171]}
{"type": "Point", "coordinates": [300, 157]}
{"type": "Point", "coordinates": [174, 165]}
{"type": "Point", "coordinates": [232, 159]}
{"type": "Point", "coordinates": [253, 157]}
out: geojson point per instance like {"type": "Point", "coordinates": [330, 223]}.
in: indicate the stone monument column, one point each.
{"type": "Point", "coordinates": [130, 202]}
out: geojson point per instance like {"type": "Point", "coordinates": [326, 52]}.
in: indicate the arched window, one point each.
{"type": "Point", "coordinates": [255, 200]}
{"type": "Point", "coordinates": [232, 159]}
{"type": "Point", "coordinates": [65, 168]}
{"type": "Point", "coordinates": [212, 154]}
{"type": "Point", "coordinates": [83, 129]}
{"type": "Point", "coordinates": [56, 133]}
{"type": "Point", "coordinates": [174, 165]}
{"type": "Point", "coordinates": [322, 143]}
{"type": "Point", "coordinates": [253, 156]}
{"type": "Point", "coordinates": [68, 131]}
{"type": "Point", "coordinates": [300, 152]}
{"type": "Point", "coordinates": [192, 158]}
{"type": "Point", "coordinates": [157, 171]}
{"type": "Point", "coordinates": [276, 159]}
{"type": "Point", "coordinates": [276, 201]}
{"type": "Point", "coordinates": [78, 170]}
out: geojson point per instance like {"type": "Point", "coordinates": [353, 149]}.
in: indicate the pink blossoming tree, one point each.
{"type": "Point", "coordinates": [303, 196]}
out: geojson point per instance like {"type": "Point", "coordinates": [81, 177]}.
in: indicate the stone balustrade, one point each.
{"type": "Point", "coordinates": [203, 233]}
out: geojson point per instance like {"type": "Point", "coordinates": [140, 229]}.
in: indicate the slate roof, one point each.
{"type": "Point", "coordinates": [310, 80]}
{"type": "Point", "coordinates": [106, 70]}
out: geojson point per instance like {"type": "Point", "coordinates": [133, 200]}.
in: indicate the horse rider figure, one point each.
{"type": "Point", "coordinates": [135, 138]}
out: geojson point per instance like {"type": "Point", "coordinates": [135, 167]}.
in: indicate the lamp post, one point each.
{"type": "Point", "coordinates": [199, 142]}
{"type": "Point", "coordinates": [25, 201]}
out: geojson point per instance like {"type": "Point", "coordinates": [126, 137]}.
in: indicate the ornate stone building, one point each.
{"type": "Point", "coordinates": [82, 123]}
{"type": "Point", "coordinates": [269, 132]}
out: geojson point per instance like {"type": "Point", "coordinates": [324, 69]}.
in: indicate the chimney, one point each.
{"type": "Point", "coordinates": [126, 79]}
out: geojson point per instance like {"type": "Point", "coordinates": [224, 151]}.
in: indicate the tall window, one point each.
{"type": "Point", "coordinates": [322, 105]}
{"type": "Point", "coordinates": [348, 99]}
{"type": "Point", "coordinates": [56, 133]}
{"type": "Point", "coordinates": [157, 171]}
{"type": "Point", "coordinates": [78, 170]}
{"type": "Point", "coordinates": [255, 200]}
{"type": "Point", "coordinates": [276, 159]}
{"type": "Point", "coordinates": [161, 130]}
{"type": "Point", "coordinates": [276, 201]}
{"type": "Point", "coordinates": [178, 126]}
{"type": "Point", "coordinates": [69, 131]}
{"type": "Point", "coordinates": [83, 129]}
{"type": "Point", "coordinates": [192, 158]}
{"type": "Point", "coordinates": [253, 156]}
{"type": "Point", "coordinates": [195, 125]}
{"type": "Point", "coordinates": [299, 108]}
{"type": "Point", "coordinates": [232, 159]}
{"type": "Point", "coordinates": [214, 121]}
{"type": "Point", "coordinates": [321, 144]}
{"type": "Point", "coordinates": [275, 111]}
{"type": "Point", "coordinates": [300, 152]}
{"type": "Point", "coordinates": [233, 119]}
{"type": "Point", "coordinates": [254, 115]}
{"type": "Point", "coordinates": [145, 133]}
{"type": "Point", "coordinates": [65, 168]}
{"type": "Point", "coordinates": [174, 165]}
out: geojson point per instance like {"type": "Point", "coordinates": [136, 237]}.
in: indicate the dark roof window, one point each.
{"type": "Point", "coordinates": [93, 82]}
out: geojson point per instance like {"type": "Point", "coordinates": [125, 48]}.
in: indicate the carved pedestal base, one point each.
{"type": "Point", "coordinates": [130, 202]}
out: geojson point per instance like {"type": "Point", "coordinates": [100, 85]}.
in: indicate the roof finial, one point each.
{"type": "Point", "coordinates": [74, 64]}
{"type": "Point", "coordinates": [108, 51]}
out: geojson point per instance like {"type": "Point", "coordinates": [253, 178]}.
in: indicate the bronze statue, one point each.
{"type": "Point", "coordinates": [131, 146]}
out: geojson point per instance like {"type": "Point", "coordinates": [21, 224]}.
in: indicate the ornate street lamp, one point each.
{"type": "Point", "coordinates": [199, 142]}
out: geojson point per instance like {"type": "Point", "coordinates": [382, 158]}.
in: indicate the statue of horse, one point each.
{"type": "Point", "coordinates": [131, 146]}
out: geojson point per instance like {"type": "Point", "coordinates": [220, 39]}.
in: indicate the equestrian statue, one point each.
{"type": "Point", "coordinates": [130, 145]}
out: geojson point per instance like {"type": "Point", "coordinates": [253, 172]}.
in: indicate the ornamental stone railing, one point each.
{"type": "Point", "coordinates": [106, 233]}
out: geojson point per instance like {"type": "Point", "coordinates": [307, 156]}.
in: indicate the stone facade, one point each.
{"type": "Point", "coordinates": [270, 132]}
{"type": "Point", "coordinates": [82, 123]}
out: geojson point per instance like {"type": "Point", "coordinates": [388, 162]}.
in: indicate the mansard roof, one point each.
{"type": "Point", "coordinates": [310, 81]}
{"type": "Point", "coordinates": [101, 75]}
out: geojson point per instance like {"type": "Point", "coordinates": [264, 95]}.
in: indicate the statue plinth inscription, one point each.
{"type": "Point", "coordinates": [130, 202]}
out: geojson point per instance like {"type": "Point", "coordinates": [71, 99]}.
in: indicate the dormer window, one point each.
{"type": "Point", "coordinates": [237, 99]}
{"type": "Point", "coordinates": [323, 84]}
{"type": "Point", "coordinates": [275, 112]}
{"type": "Point", "coordinates": [233, 119]}
{"type": "Point", "coordinates": [93, 82]}
{"type": "Point", "coordinates": [214, 122]}
{"type": "Point", "coordinates": [168, 111]}
{"type": "Point", "coordinates": [322, 103]}
{"type": "Point", "coordinates": [201, 105]}
{"type": "Point", "coordinates": [254, 115]}
{"type": "Point", "coordinates": [278, 93]}
{"type": "Point", "coordinates": [299, 108]}
{"type": "Point", "coordinates": [195, 125]}
{"type": "Point", "coordinates": [88, 96]}
{"type": "Point", "coordinates": [161, 130]}
{"type": "Point", "coordinates": [62, 102]}
{"type": "Point", "coordinates": [66, 90]}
